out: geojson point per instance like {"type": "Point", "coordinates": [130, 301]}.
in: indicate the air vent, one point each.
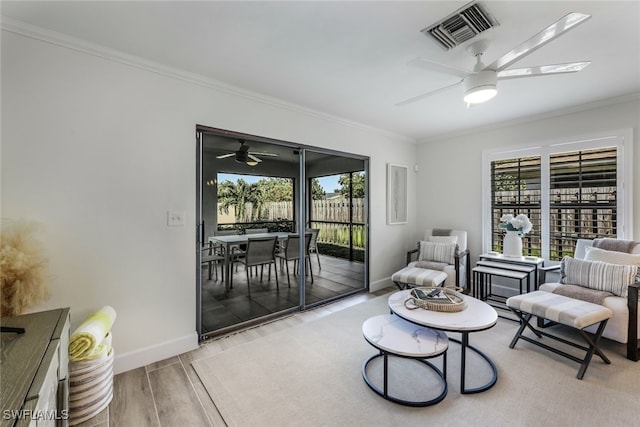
{"type": "Point", "coordinates": [460, 26]}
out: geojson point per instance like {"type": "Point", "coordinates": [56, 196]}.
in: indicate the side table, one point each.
{"type": "Point", "coordinates": [530, 261]}
{"type": "Point", "coordinates": [522, 269]}
{"type": "Point", "coordinates": [394, 336]}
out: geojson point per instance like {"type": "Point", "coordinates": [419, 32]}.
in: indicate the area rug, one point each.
{"type": "Point", "coordinates": [310, 375]}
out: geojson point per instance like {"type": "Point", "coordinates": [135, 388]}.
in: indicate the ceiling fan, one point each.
{"type": "Point", "coordinates": [243, 155]}
{"type": "Point", "coordinates": [480, 85]}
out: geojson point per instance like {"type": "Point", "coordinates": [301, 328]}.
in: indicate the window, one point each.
{"type": "Point", "coordinates": [515, 189]}
{"type": "Point", "coordinates": [254, 201]}
{"type": "Point", "coordinates": [583, 198]}
{"type": "Point", "coordinates": [569, 191]}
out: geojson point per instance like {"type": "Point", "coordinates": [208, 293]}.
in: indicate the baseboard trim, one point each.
{"type": "Point", "coordinates": [154, 353]}
{"type": "Point", "coordinates": [380, 284]}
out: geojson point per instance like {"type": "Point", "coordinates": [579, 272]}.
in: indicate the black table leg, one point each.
{"type": "Point", "coordinates": [464, 342]}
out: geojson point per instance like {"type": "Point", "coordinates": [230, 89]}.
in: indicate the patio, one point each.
{"type": "Point", "coordinates": [224, 310]}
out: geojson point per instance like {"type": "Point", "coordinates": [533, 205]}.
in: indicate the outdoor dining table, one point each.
{"type": "Point", "coordinates": [228, 241]}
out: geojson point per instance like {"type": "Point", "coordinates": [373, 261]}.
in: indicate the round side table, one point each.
{"type": "Point", "coordinates": [394, 336]}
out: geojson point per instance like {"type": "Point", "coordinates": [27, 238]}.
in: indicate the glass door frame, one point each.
{"type": "Point", "coordinates": [301, 207]}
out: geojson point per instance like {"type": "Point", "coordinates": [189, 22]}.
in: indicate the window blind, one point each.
{"type": "Point", "coordinates": [516, 189]}
{"type": "Point", "coordinates": [582, 198]}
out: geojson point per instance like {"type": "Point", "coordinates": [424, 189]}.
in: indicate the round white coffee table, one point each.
{"type": "Point", "coordinates": [478, 316]}
{"type": "Point", "coordinates": [394, 336]}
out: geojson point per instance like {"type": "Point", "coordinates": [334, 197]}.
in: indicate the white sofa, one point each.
{"type": "Point", "coordinates": [624, 325]}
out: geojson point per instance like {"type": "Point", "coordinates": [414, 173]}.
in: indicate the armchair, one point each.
{"type": "Point", "coordinates": [441, 251]}
{"type": "Point", "coordinates": [624, 325]}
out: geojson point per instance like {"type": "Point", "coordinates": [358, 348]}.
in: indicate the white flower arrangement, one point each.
{"type": "Point", "coordinates": [519, 223]}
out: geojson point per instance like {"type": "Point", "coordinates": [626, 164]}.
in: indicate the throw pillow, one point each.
{"type": "Point", "coordinates": [598, 275]}
{"type": "Point", "coordinates": [431, 265]}
{"type": "Point", "coordinates": [437, 252]}
{"type": "Point", "coordinates": [612, 257]}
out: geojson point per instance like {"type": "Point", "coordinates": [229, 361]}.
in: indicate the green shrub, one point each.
{"type": "Point", "coordinates": [338, 251]}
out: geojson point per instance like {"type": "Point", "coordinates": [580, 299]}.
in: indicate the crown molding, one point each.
{"type": "Point", "coordinates": [73, 43]}
{"type": "Point", "coordinates": [528, 119]}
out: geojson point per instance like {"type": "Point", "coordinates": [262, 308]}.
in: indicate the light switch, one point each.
{"type": "Point", "coordinates": [175, 218]}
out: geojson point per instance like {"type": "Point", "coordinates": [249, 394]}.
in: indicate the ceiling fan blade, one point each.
{"type": "Point", "coordinates": [550, 33]}
{"type": "Point", "coordinates": [428, 65]}
{"type": "Point", "coordinates": [264, 154]}
{"type": "Point", "coordinates": [224, 156]}
{"type": "Point", "coordinates": [254, 158]}
{"type": "Point", "coordinates": [425, 95]}
{"type": "Point", "coordinates": [542, 70]}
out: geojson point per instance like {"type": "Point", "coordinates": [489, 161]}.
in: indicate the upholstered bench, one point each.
{"type": "Point", "coordinates": [416, 276]}
{"type": "Point", "coordinates": [394, 336]}
{"type": "Point", "coordinates": [571, 312]}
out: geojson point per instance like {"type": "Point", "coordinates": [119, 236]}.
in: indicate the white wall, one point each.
{"type": "Point", "coordinates": [97, 151]}
{"type": "Point", "coordinates": [456, 200]}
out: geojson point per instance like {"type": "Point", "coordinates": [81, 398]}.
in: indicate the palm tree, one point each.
{"type": "Point", "coordinates": [238, 195]}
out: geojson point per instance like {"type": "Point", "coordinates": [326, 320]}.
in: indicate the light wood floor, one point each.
{"type": "Point", "coordinates": [169, 392]}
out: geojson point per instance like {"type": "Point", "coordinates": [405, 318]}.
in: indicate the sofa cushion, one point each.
{"type": "Point", "coordinates": [442, 239]}
{"type": "Point", "coordinates": [581, 248]}
{"type": "Point", "coordinates": [612, 257]}
{"type": "Point", "coordinates": [598, 275]}
{"type": "Point", "coordinates": [415, 276]}
{"type": "Point", "coordinates": [437, 252]}
{"type": "Point", "coordinates": [620, 245]}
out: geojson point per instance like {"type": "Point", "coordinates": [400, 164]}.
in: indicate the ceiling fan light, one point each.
{"type": "Point", "coordinates": [480, 87]}
{"type": "Point", "coordinates": [479, 95]}
{"type": "Point", "coordinates": [251, 162]}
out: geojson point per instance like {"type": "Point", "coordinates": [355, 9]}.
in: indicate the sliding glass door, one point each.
{"type": "Point", "coordinates": [312, 202]}
{"type": "Point", "coordinates": [336, 212]}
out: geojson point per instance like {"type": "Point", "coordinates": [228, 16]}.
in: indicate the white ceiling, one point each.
{"type": "Point", "coordinates": [349, 58]}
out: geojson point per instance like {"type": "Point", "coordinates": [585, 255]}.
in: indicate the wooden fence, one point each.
{"type": "Point", "coordinates": [332, 210]}
{"type": "Point", "coordinates": [574, 213]}
{"type": "Point", "coordinates": [331, 216]}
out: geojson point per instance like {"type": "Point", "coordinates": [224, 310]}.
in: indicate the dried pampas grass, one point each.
{"type": "Point", "coordinates": [22, 268]}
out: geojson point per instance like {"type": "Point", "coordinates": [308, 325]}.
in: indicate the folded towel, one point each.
{"type": "Point", "coordinates": [101, 351]}
{"type": "Point", "coordinates": [86, 339]}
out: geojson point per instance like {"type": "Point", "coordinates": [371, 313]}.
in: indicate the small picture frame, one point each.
{"type": "Point", "coordinates": [397, 203]}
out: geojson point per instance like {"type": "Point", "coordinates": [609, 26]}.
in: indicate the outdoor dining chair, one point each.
{"type": "Point", "coordinates": [260, 251]}
{"type": "Point", "coordinates": [313, 245]}
{"type": "Point", "coordinates": [291, 252]}
{"type": "Point", "coordinates": [243, 247]}
{"type": "Point", "coordinates": [209, 257]}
